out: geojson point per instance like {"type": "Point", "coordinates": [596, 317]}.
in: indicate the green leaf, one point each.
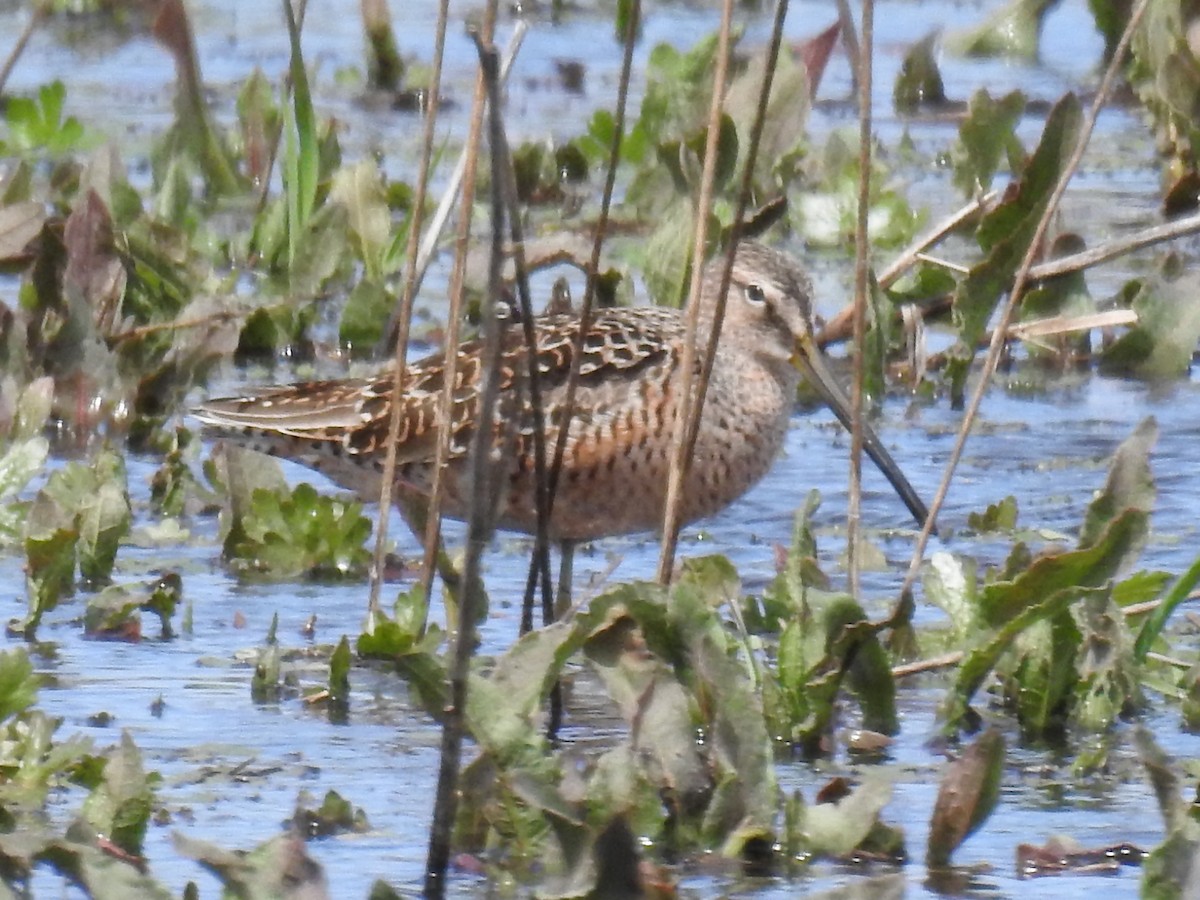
{"type": "Point", "coordinates": [18, 683]}
{"type": "Point", "coordinates": [1160, 345]}
{"type": "Point", "coordinates": [1157, 620]}
{"type": "Point", "coordinates": [919, 82]}
{"type": "Point", "coordinates": [301, 534]}
{"type": "Point", "coordinates": [1130, 484]}
{"type": "Point", "coordinates": [120, 807]}
{"type": "Point", "coordinates": [339, 672]}
{"type": "Point", "coordinates": [301, 153]}
{"type": "Point", "coordinates": [1005, 233]}
{"type": "Point", "coordinates": [359, 188]}
{"type": "Point", "coordinates": [839, 828]}
{"type": "Point", "coordinates": [280, 867]}
{"type": "Point", "coordinates": [1012, 30]}
{"type": "Point", "coordinates": [998, 517]}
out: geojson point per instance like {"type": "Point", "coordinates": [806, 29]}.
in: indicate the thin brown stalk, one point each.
{"type": "Point", "coordinates": [1155, 234]}
{"type": "Point", "coordinates": [479, 520]}
{"type": "Point", "coordinates": [838, 328]}
{"type": "Point", "coordinates": [953, 658]}
{"type": "Point", "coordinates": [937, 233]}
{"type": "Point", "coordinates": [400, 349]}
{"type": "Point", "coordinates": [40, 11]}
{"type": "Point", "coordinates": [687, 374]}
{"type": "Point", "coordinates": [470, 162]}
{"type": "Point", "coordinates": [862, 264]}
{"type": "Point", "coordinates": [735, 232]}
{"type": "Point", "coordinates": [1052, 326]}
{"type": "Point", "coordinates": [441, 215]}
{"type": "Point", "coordinates": [1015, 294]}
{"type": "Point", "coordinates": [917, 667]}
{"type": "Point", "coordinates": [502, 164]}
{"type": "Point", "coordinates": [265, 192]}
{"type": "Point", "coordinates": [589, 293]}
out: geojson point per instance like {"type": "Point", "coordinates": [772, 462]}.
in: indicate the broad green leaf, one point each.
{"type": "Point", "coordinates": [280, 867]}
{"type": "Point", "coordinates": [120, 807]}
{"type": "Point", "coordinates": [1157, 620]}
{"type": "Point", "coordinates": [1012, 30]}
{"type": "Point", "coordinates": [1161, 344]}
{"type": "Point", "coordinates": [1130, 485]}
{"type": "Point", "coordinates": [18, 683]}
{"type": "Point", "coordinates": [301, 153]}
{"type": "Point", "coordinates": [359, 188]}
{"type": "Point", "coordinates": [919, 82]}
{"type": "Point", "coordinates": [1087, 567]}
{"type": "Point", "coordinates": [838, 828]}
{"type": "Point", "coordinates": [1005, 233]}
{"type": "Point", "coordinates": [998, 517]}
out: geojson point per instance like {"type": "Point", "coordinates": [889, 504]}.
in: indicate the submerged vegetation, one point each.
{"type": "Point", "coordinates": [250, 236]}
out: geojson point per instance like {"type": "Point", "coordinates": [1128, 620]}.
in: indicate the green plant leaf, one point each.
{"type": "Point", "coordinates": [301, 151]}
{"type": "Point", "coordinates": [120, 807]}
{"type": "Point", "coordinates": [1005, 233]}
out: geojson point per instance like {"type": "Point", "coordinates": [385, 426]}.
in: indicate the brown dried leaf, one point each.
{"type": "Point", "coordinates": [967, 795]}
{"type": "Point", "coordinates": [19, 224]}
{"type": "Point", "coordinates": [94, 273]}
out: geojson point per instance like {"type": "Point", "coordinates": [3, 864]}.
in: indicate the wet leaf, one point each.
{"type": "Point", "coordinates": [336, 815]}
{"type": "Point", "coordinates": [279, 869]}
{"type": "Point", "coordinates": [100, 874]}
{"type": "Point", "coordinates": [919, 82]}
{"type": "Point", "coordinates": [359, 188]}
{"type": "Point", "coordinates": [38, 124]}
{"type": "Point", "coordinates": [1173, 867]}
{"type": "Point", "coordinates": [966, 797]}
{"type": "Point", "coordinates": [20, 223]}
{"type": "Point", "coordinates": [302, 534]}
{"type": "Point", "coordinates": [1088, 567]}
{"type": "Point", "coordinates": [339, 673]}
{"type": "Point", "coordinates": [1012, 30]}
{"type": "Point", "coordinates": [502, 708]}
{"type": "Point", "coordinates": [840, 827]}
{"type": "Point", "coordinates": [414, 650]}
{"type": "Point", "coordinates": [95, 274]}
{"type": "Point", "coordinates": [1161, 344]}
{"type": "Point", "coordinates": [986, 138]}
{"type": "Point", "coordinates": [114, 612]}
{"type": "Point", "coordinates": [365, 314]}
{"type": "Point", "coordinates": [119, 807]}
{"type": "Point", "coordinates": [104, 516]}
{"type": "Point", "coordinates": [19, 463]}
{"type": "Point", "coordinates": [18, 683]}
{"type": "Point", "coordinates": [1157, 620]}
{"type": "Point", "coordinates": [656, 707]}
{"type": "Point", "coordinates": [1108, 684]}
{"type": "Point", "coordinates": [260, 119]}
{"type": "Point", "coordinates": [785, 126]}
{"type": "Point", "coordinates": [1005, 233]}
{"type": "Point", "coordinates": [301, 160]}
{"type": "Point", "coordinates": [998, 517]}
{"type": "Point", "coordinates": [193, 134]}
{"type": "Point", "coordinates": [1130, 485]}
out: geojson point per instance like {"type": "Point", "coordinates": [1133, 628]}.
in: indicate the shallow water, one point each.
{"type": "Point", "coordinates": [233, 768]}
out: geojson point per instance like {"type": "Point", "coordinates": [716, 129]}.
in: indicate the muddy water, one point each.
{"type": "Point", "coordinates": [233, 769]}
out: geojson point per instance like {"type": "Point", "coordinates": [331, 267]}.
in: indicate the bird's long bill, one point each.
{"type": "Point", "coordinates": [811, 363]}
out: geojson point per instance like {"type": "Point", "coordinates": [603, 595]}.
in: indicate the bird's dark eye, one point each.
{"type": "Point", "coordinates": [755, 295]}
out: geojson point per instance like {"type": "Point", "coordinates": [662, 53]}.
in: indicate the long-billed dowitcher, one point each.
{"type": "Point", "coordinates": [614, 475]}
